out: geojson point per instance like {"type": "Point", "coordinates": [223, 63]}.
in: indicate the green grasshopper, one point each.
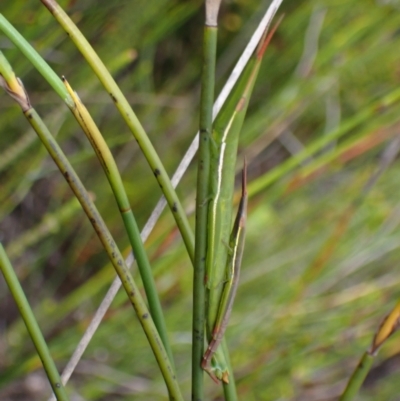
{"type": "Point", "coordinates": [225, 247]}
{"type": "Point", "coordinates": [236, 246]}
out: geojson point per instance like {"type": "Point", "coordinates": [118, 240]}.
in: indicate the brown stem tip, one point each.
{"type": "Point", "coordinates": [264, 42]}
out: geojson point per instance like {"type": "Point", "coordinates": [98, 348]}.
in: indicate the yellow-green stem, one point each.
{"type": "Point", "coordinates": [14, 87]}
{"type": "Point", "coordinates": [202, 200]}
{"type": "Point", "coordinates": [131, 120]}
{"type": "Point", "coordinates": [107, 161]}
{"type": "Point", "coordinates": [112, 250]}
{"type": "Point", "coordinates": [112, 173]}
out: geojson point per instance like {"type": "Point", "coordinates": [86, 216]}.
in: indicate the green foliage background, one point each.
{"type": "Point", "coordinates": [296, 332]}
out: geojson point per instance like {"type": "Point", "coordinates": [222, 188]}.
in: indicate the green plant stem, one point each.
{"type": "Point", "coordinates": [131, 120]}
{"type": "Point", "coordinates": [110, 168]}
{"type": "Point", "coordinates": [33, 56]}
{"type": "Point", "coordinates": [108, 163]}
{"type": "Point", "coordinates": [358, 377]}
{"type": "Point", "coordinates": [15, 89]}
{"type": "Point", "coordinates": [202, 200]}
{"type": "Point", "coordinates": [32, 326]}
{"type": "Point", "coordinates": [112, 250]}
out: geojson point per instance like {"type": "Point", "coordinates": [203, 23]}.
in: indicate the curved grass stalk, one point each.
{"type": "Point", "coordinates": [15, 89]}
{"type": "Point", "coordinates": [32, 326]}
{"type": "Point", "coordinates": [108, 163]}
{"type": "Point", "coordinates": [24, 143]}
{"type": "Point", "coordinates": [111, 170]}
{"type": "Point", "coordinates": [33, 56]}
{"type": "Point", "coordinates": [177, 176]}
{"type": "Point", "coordinates": [131, 120]}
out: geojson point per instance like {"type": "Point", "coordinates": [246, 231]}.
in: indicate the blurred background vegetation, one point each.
{"type": "Point", "coordinates": [320, 268]}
